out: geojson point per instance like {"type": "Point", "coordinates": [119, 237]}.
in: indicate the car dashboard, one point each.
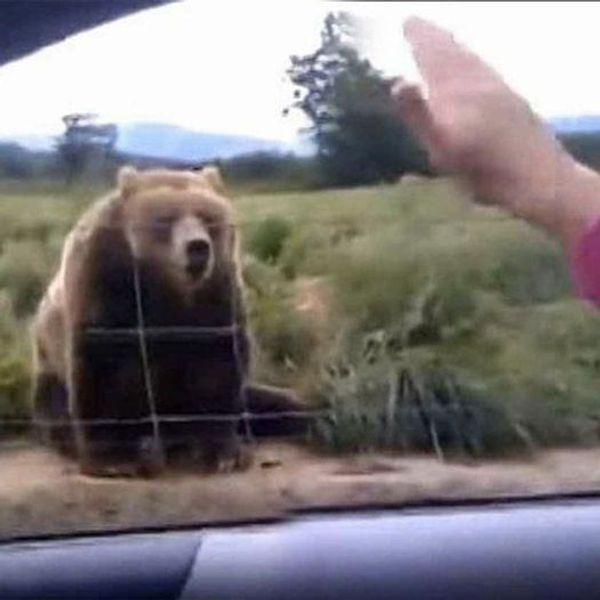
{"type": "Point", "coordinates": [525, 548]}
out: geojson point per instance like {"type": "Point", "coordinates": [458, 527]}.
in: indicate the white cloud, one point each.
{"type": "Point", "coordinates": [220, 66]}
{"type": "Point", "coordinates": [545, 50]}
{"type": "Point", "coordinates": [216, 68]}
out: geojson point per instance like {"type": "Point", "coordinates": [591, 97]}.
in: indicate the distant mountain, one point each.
{"type": "Point", "coordinates": [173, 143]}
{"type": "Point", "coordinates": [159, 140]}
{"type": "Point", "coordinates": [579, 124]}
{"type": "Point", "coordinates": [156, 141]}
{"type": "Point", "coordinates": [35, 143]}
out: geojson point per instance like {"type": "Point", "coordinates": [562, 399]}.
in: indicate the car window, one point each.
{"type": "Point", "coordinates": [233, 283]}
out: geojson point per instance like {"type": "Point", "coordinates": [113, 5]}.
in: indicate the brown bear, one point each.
{"type": "Point", "coordinates": [145, 319]}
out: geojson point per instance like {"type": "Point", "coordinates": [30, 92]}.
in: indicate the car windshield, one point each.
{"type": "Point", "coordinates": [234, 283]}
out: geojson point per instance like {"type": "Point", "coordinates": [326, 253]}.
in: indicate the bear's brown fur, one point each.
{"type": "Point", "coordinates": [164, 243]}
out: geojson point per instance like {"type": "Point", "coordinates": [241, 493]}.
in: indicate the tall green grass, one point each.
{"type": "Point", "coordinates": [450, 327]}
{"type": "Point", "coordinates": [469, 310]}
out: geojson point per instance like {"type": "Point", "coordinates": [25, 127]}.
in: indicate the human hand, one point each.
{"type": "Point", "coordinates": [474, 125]}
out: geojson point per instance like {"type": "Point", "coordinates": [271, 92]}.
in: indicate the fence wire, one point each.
{"type": "Point", "coordinates": [180, 333]}
{"type": "Point", "coordinates": [191, 418]}
{"type": "Point", "coordinates": [144, 334]}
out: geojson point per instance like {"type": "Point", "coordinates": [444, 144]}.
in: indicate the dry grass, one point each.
{"type": "Point", "coordinates": [53, 498]}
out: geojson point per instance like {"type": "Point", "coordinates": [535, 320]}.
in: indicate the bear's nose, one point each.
{"type": "Point", "coordinates": [198, 255]}
{"type": "Point", "coordinates": [198, 250]}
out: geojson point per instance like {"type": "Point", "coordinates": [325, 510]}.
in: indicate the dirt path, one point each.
{"type": "Point", "coordinates": [40, 493]}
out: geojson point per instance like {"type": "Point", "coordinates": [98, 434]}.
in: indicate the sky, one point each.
{"type": "Point", "coordinates": [220, 66]}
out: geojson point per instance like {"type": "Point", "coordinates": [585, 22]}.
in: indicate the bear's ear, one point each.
{"type": "Point", "coordinates": [212, 176]}
{"type": "Point", "coordinates": [127, 180]}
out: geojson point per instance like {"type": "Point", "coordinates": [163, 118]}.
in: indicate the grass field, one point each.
{"type": "Point", "coordinates": [424, 322]}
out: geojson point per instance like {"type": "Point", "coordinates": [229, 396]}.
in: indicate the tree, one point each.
{"type": "Point", "coordinates": [16, 162]}
{"type": "Point", "coordinates": [358, 136]}
{"type": "Point", "coordinates": [84, 143]}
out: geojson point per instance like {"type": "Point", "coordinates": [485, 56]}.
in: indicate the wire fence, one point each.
{"type": "Point", "coordinates": [189, 418]}
{"type": "Point", "coordinates": [161, 333]}
{"type": "Point", "coordinates": [144, 334]}
{"type": "Point", "coordinates": [156, 416]}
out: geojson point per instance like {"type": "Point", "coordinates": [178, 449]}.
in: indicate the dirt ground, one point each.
{"type": "Point", "coordinates": [41, 493]}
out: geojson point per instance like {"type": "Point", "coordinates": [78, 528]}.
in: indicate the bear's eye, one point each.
{"type": "Point", "coordinates": [162, 225]}
{"type": "Point", "coordinates": [212, 224]}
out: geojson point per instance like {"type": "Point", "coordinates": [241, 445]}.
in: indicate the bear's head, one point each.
{"type": "Point", "coordinates": [179, 222]}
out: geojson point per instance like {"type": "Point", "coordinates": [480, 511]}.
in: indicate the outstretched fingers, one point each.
{"type": "Point", "coordinates": [441, 60]}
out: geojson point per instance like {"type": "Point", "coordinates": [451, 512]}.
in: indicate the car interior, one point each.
{"type": "Point", "coordinates": [503, 542]}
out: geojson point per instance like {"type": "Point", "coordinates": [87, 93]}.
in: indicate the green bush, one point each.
{"type": "Point", "coordinates": [388, 283]}
{"type": "Point", "coordinates": [10, 328]}
{"type": "Point", "coordinates": [268, 238]}
{"type": "Point", "coordinates": [302, 251]}
{"type": "Point", "coordinates": [415, 405]}
{"type": "Point", "coordinates": [261, 279]}
{"type": "Point", "coordinates": [14, 386]}
{"type": "Point", "coordinates": [530, 270]}
{"type": "Point", "coordinates": [285, 341]}
{"type": "Point", "coordinates": [25, 269]}
{"type": "Point", "coordinates": [15, 356]}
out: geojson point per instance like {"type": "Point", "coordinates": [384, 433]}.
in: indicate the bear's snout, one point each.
{"type": "Point", "coordinates": [198, 256]}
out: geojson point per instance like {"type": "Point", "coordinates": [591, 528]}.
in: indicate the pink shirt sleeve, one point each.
{"type": "Point", "coordinates": [585, 264]}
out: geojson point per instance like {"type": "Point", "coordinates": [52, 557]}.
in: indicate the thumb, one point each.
{"type": "Point", "coordinates": [414, 111]}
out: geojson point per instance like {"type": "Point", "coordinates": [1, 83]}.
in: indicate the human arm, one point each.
{"type": "Point", "coordinates": [475, 126]}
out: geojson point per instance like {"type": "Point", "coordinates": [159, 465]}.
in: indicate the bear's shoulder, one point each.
{"type": "Point", "coordinates": [101, 218]}
{"type": "Point", "coordinates": [103, 213]}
